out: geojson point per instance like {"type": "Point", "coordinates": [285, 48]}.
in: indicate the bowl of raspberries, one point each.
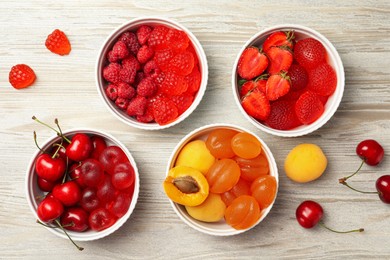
{"type": "Point", "coordinates": [151, 73]}
{"type": "Point", "coordinates": [288, 80]}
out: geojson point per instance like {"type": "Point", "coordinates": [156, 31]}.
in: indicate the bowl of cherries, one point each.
{"type": "Point", "coordinates": [81, 184]}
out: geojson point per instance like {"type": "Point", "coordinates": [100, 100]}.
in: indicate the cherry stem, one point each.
{"type": "Point", "coordinates": [66, 233]}
{"type": "Point", "coordinates": [59, 128]}
{"type": "Point", "coordinates": [58, 133]}
{"type": "Point", "coordinates": [352, 188]}
{"type": "Point", "coordinates": [36, 143]}
{"type": "Point", "coordinates": [58, 149]}
{"type": "Point", "coordinates": [340, 232]}
{"type": "Point", "coordinates": [48, 226]}
{"type": "Point", "coordinates": [346, 178]}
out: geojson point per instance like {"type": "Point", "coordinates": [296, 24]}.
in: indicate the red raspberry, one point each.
{"type": "Point", "coordinates": [140, 75]}
{"type": "Point", "coordinates": [21, 76]}
{"type": "Point", "coordinates": [163, 57]}
{"type": "Point", "coordinates": [282, 115]}
{"type": "Point", "coordinates": [143, 34]}
{"type": "Point", "coordinates": [112, 92]}
{"type": "Point", "coordinates": [127, 74]}
{"type": "Point", "coordinates": [177, 40]}
{"type": "Point", "coordinates": [119, 52]}
{"type": "Point", "coordinates": [131, 41]}
{"type": "Point", "coordinates": [173, 84]}
{"type": "Point", "coordinates": [298, 77]}
{"type": "Point", "coordinates": [164, 111]}
{"type": "Point", "coordinates": [146, 87]}
{"type": "Point", "coordinates": [151, 69]}
{"type": "Point", "coordinates": [125, 91]}
{"type": "Point", "coordinates": [122, 103]}
{"type": "Point", "coordinates": [193, 81]}
{"type": "Point", "coordinates": [322, 80]}
{"type": "Point", "coordinates": [137, 106]}
{"type": "Point", "coordinates": [182, 102]}
{"type": "Point", "coordinates": [308, 108]}
{"type": "Point", "coordinates": [182, 63]}
{"type": "Point", "coordinates": [111, 72]}
{"type": "Point", "coordinates": [131, 61]}
{"type": "Point", "coordinates": [157, 38]}
{"type": "Point", "coordinates": [144, 54]}
{"type": "Point", "coordinates": [148, 116]}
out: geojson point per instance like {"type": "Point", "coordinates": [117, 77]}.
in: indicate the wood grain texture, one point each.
{"type": "Point", "coordinates": [65, 89]}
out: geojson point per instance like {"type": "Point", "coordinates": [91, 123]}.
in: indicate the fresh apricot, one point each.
{"type": "Point", "coordinates": [195, 155]}
{"type": "Point", "coordinates": [211, 210]}
{"type": "Point", "coordinates": [186, 186]}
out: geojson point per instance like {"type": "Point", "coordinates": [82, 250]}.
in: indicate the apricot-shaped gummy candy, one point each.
{"type": "Point", "coordinates": [246, 145]}
{"type": "Point", "coordinates": [243, 213]}
{"type": "Point", "coordinates": [223, 175]}
{"type": "Point", "coordinates": [211, 210]}
{"type": "Point", "coordinates": [219, 143]}
{"type": "Point", "coordinates": [263, 189]}
{"type": "Point", "coordinates": [253, 168]}
{"type": "Point", "coordinates": [241, 188]}
{"type": "Point", "coordinates": [195, 155]}
{"type": "Point", "coordinates": [186, 186]}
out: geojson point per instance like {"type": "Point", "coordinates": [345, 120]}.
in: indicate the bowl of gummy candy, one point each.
{"type": "Point", "coordinates": [82, 183]}
{"type": "Point", "coordinates": [151, 73]}
{"type": "Point", "coordinates": [288, 80]}
{"type": "Point", "coordinates": [221, 179]}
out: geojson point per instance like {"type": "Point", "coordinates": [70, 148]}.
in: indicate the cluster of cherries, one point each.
{"type": "Point", "coordinates": [309, 213]}
{"type": "Point", "coordinates": [88, 184]}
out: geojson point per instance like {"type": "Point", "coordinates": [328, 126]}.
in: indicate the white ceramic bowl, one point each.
{"type": "Point", "coordinates": [334, 60]}
{"type": "Point", "coordinates": [33, 192]}
{"type": "Point", "coordinates": [220, 228]}
{"type": "Point", "coordinates": [132, 26]}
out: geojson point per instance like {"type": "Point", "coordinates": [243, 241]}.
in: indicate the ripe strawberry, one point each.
{"type": "Point", "coordinates": [157, 39]}
{"type": "Point", "coordinates": [309, 53]}
{"type": "Point", "coordinates": [143, 33]}
{"type": "Point", "coordinates": [280, 59]}
{"type": "Point", "coordinates": [112, 92]}
{"type": "Point", "coordinates": [119, 51]}
{"type": "Point", "coordinates": [259, 84]}
{"type": "Point", "coordinates": [163, 57]}
{"type": "Point", "coordinates": [182, 102]}
{"type": "Point", "coordinates": [277, 86]}
{"type": "Point", "coordinates": [282, 115]}
{"type": "Point", "coordinates": [21, 76]}
{"type": "Point", "coordinates": [151, 69]}
{"type": "Point", "coordinates": [279, 38]}
{"type": "Point", "coordinates": [182, 63]}
{"type": "Point", "coordinates": [137, 106]}
{"type": "Point", "coordinates": [256, 105]}
{"type": "Point", "coordinates": [131, 61]}
{"type": "Point", "coordinates": [58, 43]}
{"type": "Point", "coordinates": [144, 54]}
{"type": "Point", "coordinates": [127, 74]}
{"type": "Point", "coordinates": [322, 80]}
{"type": "Point", "coordinates": [125, 91]}
{"type": "Point", "coordinates": [293, 95]}
{"type": "Point", "coordinates": [252, 63]}
{"type": "Point", "coordinates": [122, 103]}
{"type": "Point", "coordinates": [131, 41]}
{"type": "Point", "coordinates": [146, 87]}
{"type": "Point", "coordinates": [111, 72]}
{"type": "Point", "coordinates": [298, 77]}
{"type": "Point", "coordinates": [164, 111]}
{"type": "Point", "coordinates": [308, 108]}
{"type": "Point", "coordinates": [173, 84]}
{"type": "Point", "coordinates": [147, 117]}
{"type": "Point", "coordinates": [177, 40]}
{"type": "Point", "coordinates": [193, 81]}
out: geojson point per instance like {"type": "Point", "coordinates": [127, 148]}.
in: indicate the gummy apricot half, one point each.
{"type": "Point", "coordinates": [186, 186]}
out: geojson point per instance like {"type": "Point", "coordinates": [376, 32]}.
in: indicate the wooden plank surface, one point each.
{"type": "Point", "coordinates": [65, 89]}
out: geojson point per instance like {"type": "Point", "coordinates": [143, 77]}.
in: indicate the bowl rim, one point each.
{"type": "Point", "coordinates": [197, 224]}
{"type": "Point", "coordinates": [337, 95]}
{"type": "Point", "coordinates": [82, 236]}
{"type": "Point", "coordinates": [203, 64]}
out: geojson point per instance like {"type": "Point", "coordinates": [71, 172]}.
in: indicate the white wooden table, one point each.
{"type": "Point", "coordinates": [65, 89]}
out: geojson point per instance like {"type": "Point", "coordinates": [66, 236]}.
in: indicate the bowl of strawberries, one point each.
{"type": "Point", "coordinates": [151, 73]}
{"type": "Point", "coordinates": [288, 80]}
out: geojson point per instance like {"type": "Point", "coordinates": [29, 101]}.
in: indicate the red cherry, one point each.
{"type": "Point", "coordinates": [98, 144]}
{"type": "Point", "coordinates": [45, 185]}
{"type": "Point", "coordinates": [75, 219]}
{"type": "Point", "coordinates": [92, 172]}
{"type": "Point", "coordinates": [370, 151]}
{"type": "Point", "coordinates": [89, 200]}
{"type": "Point", "coordinates": [75, 172]}
{"type": "Point", "coordinates": [49, 168]}
{"type": "Point", "coordinates": [309, 213]}
{"type": "Point", "coordinates": [111, 156]}
{"type": "Point", "coordinates": [383, 188]}
{"type": "Point", "coordinates": [123, 176]}
{"type": "Point", "coordinates": [50, 209]}
{"type": "Point", "coordinates": [60, 149]}
{"type": "Point", "coordinates": [101, 219]}
{"type": "Point", "coordinates": [68, 193]}
{"type": "Point", "coordinates": [80, 147]}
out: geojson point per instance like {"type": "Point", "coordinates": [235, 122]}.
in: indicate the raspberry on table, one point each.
{"type": "Point", "coordinates": [58, 43]}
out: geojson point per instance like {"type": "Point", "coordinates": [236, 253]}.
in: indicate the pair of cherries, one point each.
{"type": "Point", "coordinates": [309, 213]}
